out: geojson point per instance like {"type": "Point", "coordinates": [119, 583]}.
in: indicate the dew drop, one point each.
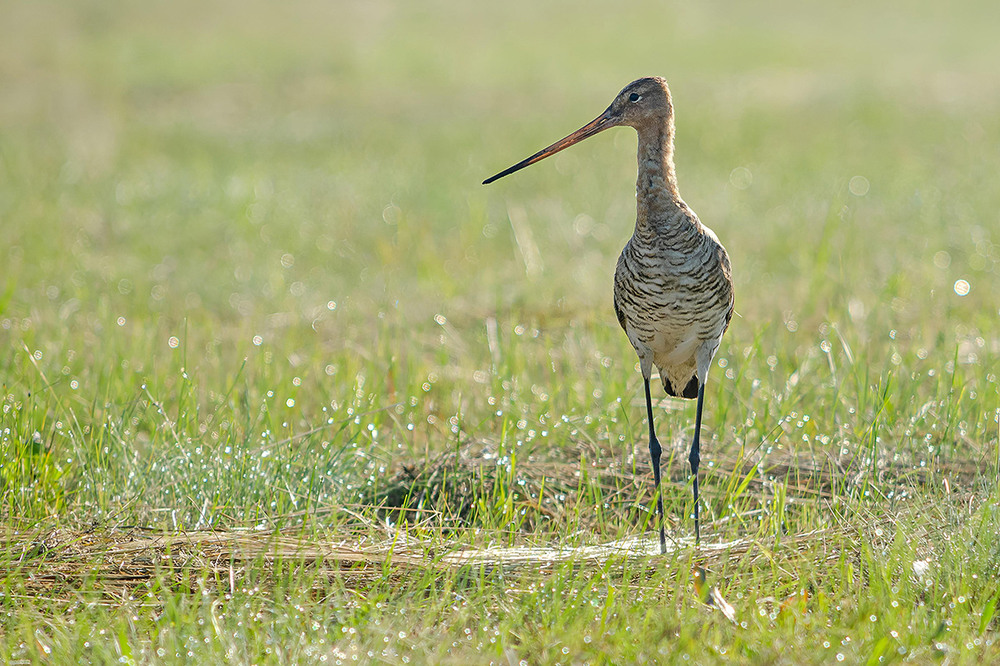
{"type": "Point", "coordinates": [859, 186]}
{"type": "Point", "coordinates": [741, 178]}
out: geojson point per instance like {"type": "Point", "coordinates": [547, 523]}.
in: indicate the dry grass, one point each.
{"type": "Point", "coordinates": [116, 563]}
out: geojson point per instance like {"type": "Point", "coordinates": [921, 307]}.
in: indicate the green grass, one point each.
{"type": "Point", "coordinates": [249, 280]}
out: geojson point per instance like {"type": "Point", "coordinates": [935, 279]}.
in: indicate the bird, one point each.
{"type": "Point", "coordinates": [673, 284]}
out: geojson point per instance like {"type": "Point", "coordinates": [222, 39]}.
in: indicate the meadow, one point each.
{"type": "Point", "coordinates": [283, 383]}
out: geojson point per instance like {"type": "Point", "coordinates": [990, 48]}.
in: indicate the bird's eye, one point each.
{"type": "Point", "coordinates": [634, 97]}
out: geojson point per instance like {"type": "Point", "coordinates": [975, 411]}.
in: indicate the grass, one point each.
{"type": "Point", "coordinates": [282, 383]}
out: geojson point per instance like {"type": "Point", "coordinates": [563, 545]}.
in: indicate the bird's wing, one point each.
{"type": "Point", "coordinates": [620, 315]}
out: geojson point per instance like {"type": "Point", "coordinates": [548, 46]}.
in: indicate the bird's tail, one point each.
{"type": "Point", "coordinates": [690, 390]}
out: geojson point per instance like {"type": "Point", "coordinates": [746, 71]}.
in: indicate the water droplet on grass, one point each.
{"type": "Point", "coordinates": [741, 178]}
{"type": "Point", "coordinates": [859, 186]}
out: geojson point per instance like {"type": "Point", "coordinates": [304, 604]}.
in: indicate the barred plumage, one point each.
{"type": "Point", "coordinates": [673, 284]}
{"type": "Point", "coordinates": [672, 300]}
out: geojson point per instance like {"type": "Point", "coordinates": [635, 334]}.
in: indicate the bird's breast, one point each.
{"type": "Point", "coordinates": [671, 298]}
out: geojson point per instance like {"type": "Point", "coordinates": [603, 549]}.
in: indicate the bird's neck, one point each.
{"type": "Point", "coordinates": [659, 205]}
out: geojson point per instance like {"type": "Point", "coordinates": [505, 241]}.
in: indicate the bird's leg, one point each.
{"type": "Point", "coordinates": [695, 458]}
{"type": "Point", "coordinates": [654, 456]}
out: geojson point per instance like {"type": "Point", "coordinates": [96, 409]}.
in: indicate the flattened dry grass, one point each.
{"type": "Point", "coordinates": [121, 561]}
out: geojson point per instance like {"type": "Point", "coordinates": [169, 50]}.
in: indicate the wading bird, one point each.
{"type": "Point", "coordinates": [673, 284]}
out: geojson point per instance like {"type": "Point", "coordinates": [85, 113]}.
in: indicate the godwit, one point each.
{"type": "Point", "coordinates": [673, 283]}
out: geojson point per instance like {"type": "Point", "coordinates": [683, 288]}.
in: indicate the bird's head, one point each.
{"type": "Point", "coordinates": [641, 103]}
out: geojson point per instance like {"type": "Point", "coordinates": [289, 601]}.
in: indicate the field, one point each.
{"type": "Point", "coordinates": [283, 383]}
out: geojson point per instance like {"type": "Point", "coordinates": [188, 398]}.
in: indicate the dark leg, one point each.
{"type": "Point", "coordinates": [654, 456]}
{"type": "Point", "coordinates": [695, 458]}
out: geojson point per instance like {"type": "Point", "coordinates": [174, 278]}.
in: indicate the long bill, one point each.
{"type": "Point", "coordinates": [598, 124]}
